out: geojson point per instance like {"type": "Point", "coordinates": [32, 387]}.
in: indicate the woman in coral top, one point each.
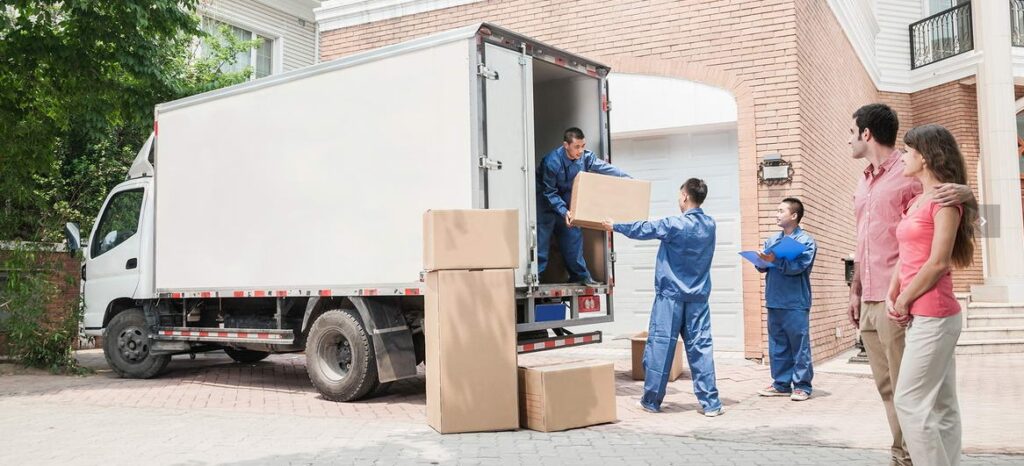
{"type": "Point", "coordinates": [932, 239]}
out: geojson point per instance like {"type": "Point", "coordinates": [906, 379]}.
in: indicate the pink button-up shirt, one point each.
{"type": "Point", "coordinates": [879, 203]}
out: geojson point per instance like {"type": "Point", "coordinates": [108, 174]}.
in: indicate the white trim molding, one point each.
{"type": "Point", "coordinates": [337, 14]}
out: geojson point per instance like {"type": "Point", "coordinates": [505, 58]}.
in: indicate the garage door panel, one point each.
{"type": "Point", "coordinates": [667, 161]}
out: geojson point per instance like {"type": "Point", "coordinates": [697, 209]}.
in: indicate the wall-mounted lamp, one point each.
{"type": "Point", "coordinates": [774, 171]}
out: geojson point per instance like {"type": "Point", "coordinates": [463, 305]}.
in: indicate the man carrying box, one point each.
{"type": "Point", "coordinates": [682, 284]}
{"type": "Point", "coordinates": [788, 298]}
{"type": "Point", "coordinates": [554, 192]}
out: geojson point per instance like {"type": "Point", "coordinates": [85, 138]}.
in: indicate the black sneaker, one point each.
{"type": "Point", "coordinates": [589, 282]}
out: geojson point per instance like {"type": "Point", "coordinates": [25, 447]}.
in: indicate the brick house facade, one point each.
{"type": "Point", "coordinates": [796, 79]}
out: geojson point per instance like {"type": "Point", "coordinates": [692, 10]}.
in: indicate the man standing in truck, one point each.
{"type": "Point", "coordinates": [554, 192]}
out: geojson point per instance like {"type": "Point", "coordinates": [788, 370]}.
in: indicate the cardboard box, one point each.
{"type": "Point", "coordinates": [568, 395]}
{"type": "Point", "coordinates": [639, 341]}
{"type": "Point", "coordinates": [470, 331]}
{"type": "Point", "coordinates": [599, 197]}
{"type": "Point", "coordinates": [470, 239]}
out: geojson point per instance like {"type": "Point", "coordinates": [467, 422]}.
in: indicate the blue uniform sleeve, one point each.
{"type": "Point", "coordinates": [604, 168]}
{"type": "Point", "coordinates": [802, 262]}
{"type": "Point", "coordinates": [550, 190]}
{"type": "Point", "coordinates": [764, 246]}
{"type": "Point", "coordinates": [660, 229]}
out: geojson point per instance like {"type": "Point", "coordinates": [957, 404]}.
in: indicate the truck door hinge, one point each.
{"type": "Point", "coordinates": [489, 164]}
{"type": "Point", "coordinates": [484, 71]}
{"type": "Point", "coordinates": [614, 256]}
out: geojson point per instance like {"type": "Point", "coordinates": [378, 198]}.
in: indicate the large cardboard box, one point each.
{"type": "Point", "coordinates": [567, 395]}
{"type": "Point", "coordinates": [639, 341]}
{"type": "Point", "coordinates": [470, 239]}
{"type": "Point", "coordinates": [470, 330]}
{"type": "Point", "coordinates": [599, 197]}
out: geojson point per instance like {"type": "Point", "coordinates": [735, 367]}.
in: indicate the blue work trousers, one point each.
{"type": "Point", "coordinates": [669, 318]}
{"type": "Point", "coordinates": [570, 242]}
{"type": "Point", "coordinates": [789, 347]}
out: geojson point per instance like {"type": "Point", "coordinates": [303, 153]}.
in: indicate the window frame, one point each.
{"type": "Point", "coordinates": [276, 39]}
{"type": "Point", "coordinates": [95, 237]}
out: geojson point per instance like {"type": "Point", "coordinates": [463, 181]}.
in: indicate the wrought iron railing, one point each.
{"type": "Point", "coordinates": [945, 34]}
{"type": "Point", "coordinates": [1017, 22]}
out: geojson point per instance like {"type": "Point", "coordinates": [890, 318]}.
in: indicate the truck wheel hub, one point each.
{"type": "Point", "coordinates": [132, 344]}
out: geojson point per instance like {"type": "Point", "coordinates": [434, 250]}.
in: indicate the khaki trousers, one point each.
{"type": "Point", "coordinates": [926, 392]}
{"type": "Point", "coordinates": [884, 341]}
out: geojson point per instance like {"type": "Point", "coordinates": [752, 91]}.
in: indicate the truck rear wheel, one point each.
{"type": "Point", "coordinates": [339, 356]}
{"type": "Point", "coordinates": [246, 356]}
{"type": "Point", "coordinates": [127, 347]}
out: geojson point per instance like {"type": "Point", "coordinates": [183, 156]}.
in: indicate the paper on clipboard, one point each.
{"type": "Point", "coordinates": [756, 260]}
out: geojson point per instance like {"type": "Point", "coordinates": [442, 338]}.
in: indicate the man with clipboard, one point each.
{"type": "Point", "coordinates": [787, 261]}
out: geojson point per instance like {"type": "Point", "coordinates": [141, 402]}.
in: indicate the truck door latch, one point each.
{"type": "Point", "coordinates": [484, 71]}
{"type": "Point", "coordinates": [489, 164]}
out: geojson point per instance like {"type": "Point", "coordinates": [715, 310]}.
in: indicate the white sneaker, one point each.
{"type": "Point", "coordinates": [799, 395]}
{"type": "Point", "coordinates": [715, 413]}
{"type": "Point", "coordinates": [772, 391]}
{"type": "Point", "coordinates": [640, 404]}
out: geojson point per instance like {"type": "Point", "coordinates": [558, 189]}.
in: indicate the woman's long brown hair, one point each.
{"type": "Point", "coordinates": [943, 159]}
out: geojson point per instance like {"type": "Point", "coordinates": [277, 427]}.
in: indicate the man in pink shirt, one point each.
{"type": "Point", "coordinates": [881, 197]}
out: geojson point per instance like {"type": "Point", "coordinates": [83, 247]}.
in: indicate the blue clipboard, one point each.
{"type": "Point", "coordinates": [788, 248]}
{"type": "Point", "coordinates": [756, 260]}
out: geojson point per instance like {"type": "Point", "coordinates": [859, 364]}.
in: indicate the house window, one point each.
{"type": "Point", "coordinates": [260, 58]}
{"type": "Point", "coordinates": [935, 6]}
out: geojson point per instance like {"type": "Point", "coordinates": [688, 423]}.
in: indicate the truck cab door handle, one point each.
{"type": "Point", "coordinates": [132, 263]}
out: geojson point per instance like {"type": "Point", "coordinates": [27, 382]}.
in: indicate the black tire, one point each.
{"type": "Point", "coordinates": [339, 356]}
{"type": "Point", "coordinates": [127, 345]}
{"type": "Point", "coordinates": [246, 356]}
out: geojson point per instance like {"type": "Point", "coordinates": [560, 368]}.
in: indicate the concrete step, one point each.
{"type": "Point", "coordinates": [992, 333]}
{"type": "Point", "coordinates": [995, 308]}
{"type": "Point", "coordinates": [990, 346]}
{"type": "Point", "coordinates": [994, 320]}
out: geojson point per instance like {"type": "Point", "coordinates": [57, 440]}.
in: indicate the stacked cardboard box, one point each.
{"type": "Point", "coordinates": [469, 321]}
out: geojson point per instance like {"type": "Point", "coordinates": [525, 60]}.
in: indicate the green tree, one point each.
{"type": "Point", "coordinates": [78, 83]}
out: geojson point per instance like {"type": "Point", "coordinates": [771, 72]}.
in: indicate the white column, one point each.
{"type": "Point", "coordinates": [997, 131]}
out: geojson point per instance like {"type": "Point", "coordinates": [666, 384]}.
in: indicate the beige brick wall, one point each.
{"type": "Point", "coordinates": [795, 77]}
{"type": "Point", "coordinates": [832, 86]}
{"type": "Point", "coordinates": [955, 106]}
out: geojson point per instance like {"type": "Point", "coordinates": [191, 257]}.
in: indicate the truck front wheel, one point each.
{"type": "Point", "coordinates": [339, 356]}
{"type": "Point", "coordinates": [127, 347]}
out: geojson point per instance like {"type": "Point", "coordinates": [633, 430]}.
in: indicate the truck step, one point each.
{"type": "Point", "coordinates": [226, 335]}
{"type": "Point", "coordinates": [544, 344]}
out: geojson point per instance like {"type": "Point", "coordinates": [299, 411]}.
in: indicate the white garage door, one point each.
{"type": "Point", "coordinates": [667, 161]}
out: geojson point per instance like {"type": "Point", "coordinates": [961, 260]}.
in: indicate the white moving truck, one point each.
{"type": "Point", "coordinates": [284, 214]}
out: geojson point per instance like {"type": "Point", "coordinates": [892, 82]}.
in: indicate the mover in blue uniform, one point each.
{"type": "Point", "coordinates": [555, 175]}
{"type": "Point", "coordinates": [788, 298]}
{"type": "Point", "coordinates": [682, 284]}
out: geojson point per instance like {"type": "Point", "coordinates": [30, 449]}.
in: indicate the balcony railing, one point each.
{"type": "Point", "coordinates": [1017, 22]}
{"type": "Point", "coordinates": [942, 35]}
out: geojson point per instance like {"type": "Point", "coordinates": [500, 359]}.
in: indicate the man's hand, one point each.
{"type": "Point", "coordinates": [854, 310]}
{"type": "Point", "coordinates": [568, 218]}
{"type": "Point", "coordinates": [951, 194]}
{"type": "Point", "coordinates": [608, 224]}
{"type": "Point", "coordinates": [767, 257]}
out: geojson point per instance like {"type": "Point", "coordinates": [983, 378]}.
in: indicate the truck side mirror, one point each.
{"type": "Point", "coordinates": [73, 237]}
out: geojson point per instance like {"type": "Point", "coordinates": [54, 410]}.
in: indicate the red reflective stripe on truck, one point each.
{"type": "Point", "coordinates": [259, 293]}
{"type": "Point", "coordinates": [325, 292]}
{"type": "Point", "coordinates": [176, 295]}
{"type": "Point", "coordinates": [281, 293]}
{"type": "Point", "coordinates": [204, 294]}
{"type": "Point", "coordinates": [412, 291]}
{"type": "Point", "coordinates": [368, 292]}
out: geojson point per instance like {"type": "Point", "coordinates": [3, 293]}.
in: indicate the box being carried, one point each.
{"type": "Point", "coordinates": [562, 396]}
{"type": "Point", "coordinates": [596, 198]}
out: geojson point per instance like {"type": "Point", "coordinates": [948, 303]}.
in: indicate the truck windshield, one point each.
{"type": "Point", "coordinates": [119, 221]}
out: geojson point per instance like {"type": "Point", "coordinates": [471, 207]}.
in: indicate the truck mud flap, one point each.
{"type": "Point", "coordinates": [392, 337]}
